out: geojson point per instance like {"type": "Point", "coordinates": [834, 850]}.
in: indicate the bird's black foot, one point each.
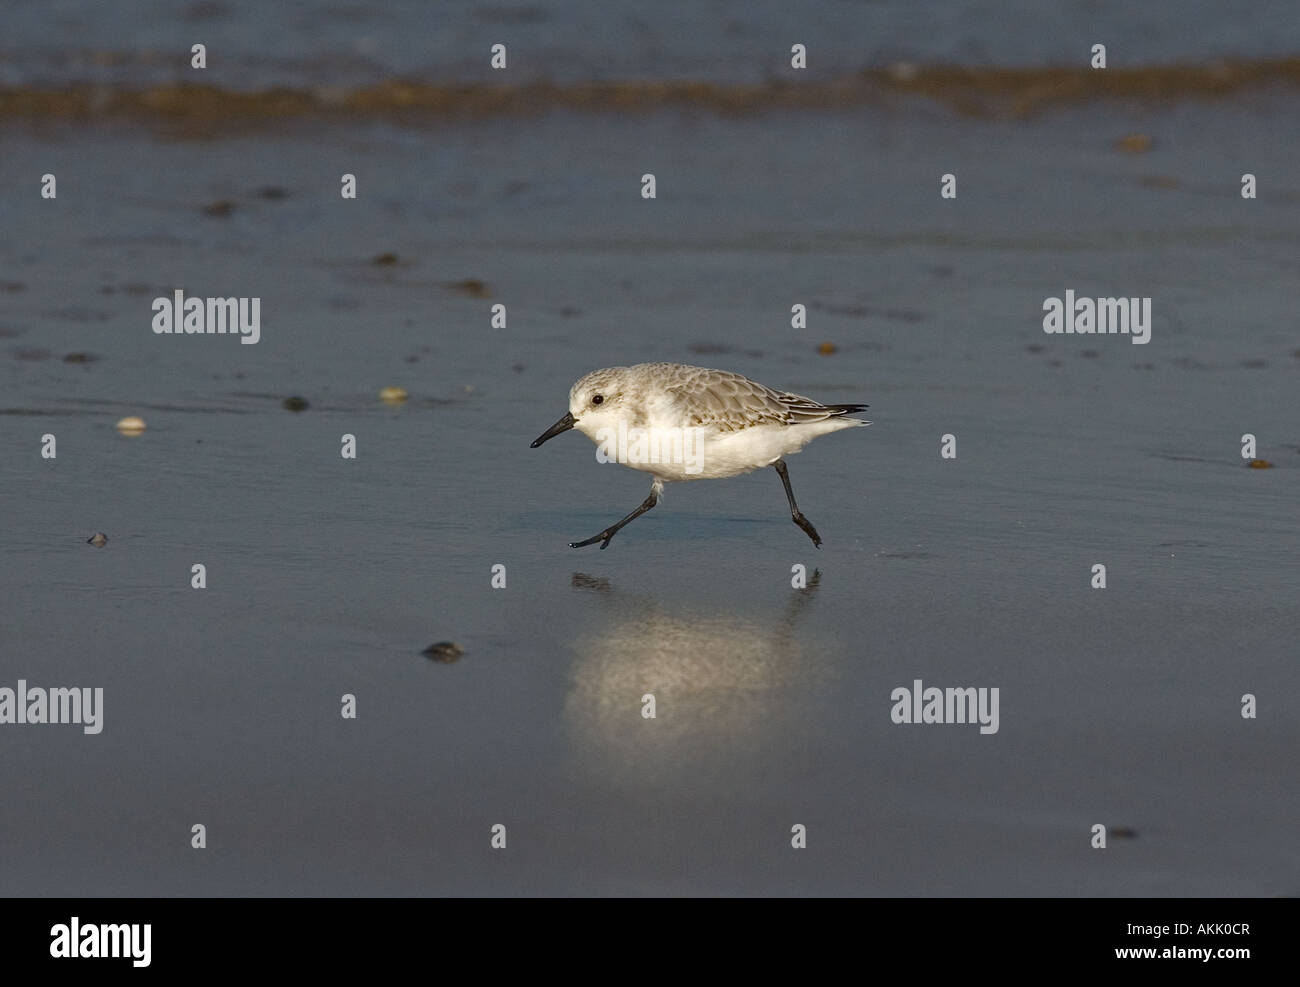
{"type": "Point", "coordinates": [603, 538]}
{"type": "Point", "coordinates": [614, 529]}
{"type": "Point", "coordinates": [808, 528]}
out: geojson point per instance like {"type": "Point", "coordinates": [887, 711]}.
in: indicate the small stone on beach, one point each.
{"type": "Point", "coordinates": [444, 651]}
{"type": "Point", "coordinates": [472, 287]}
{"type": "Point", "coordinates": [1134, 143]}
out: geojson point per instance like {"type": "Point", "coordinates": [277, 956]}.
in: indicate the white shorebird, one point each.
{"type": "Point", "coordinates": [683, 423]}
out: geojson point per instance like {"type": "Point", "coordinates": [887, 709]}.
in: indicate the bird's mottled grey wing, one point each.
{"type": "Point", "coordinates": [729, 401]}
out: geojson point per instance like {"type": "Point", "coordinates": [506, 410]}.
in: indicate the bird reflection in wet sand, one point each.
{"type": "Point", "coordinates": [721, 682]}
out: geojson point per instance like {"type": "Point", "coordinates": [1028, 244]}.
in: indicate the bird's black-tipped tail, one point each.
{"type": "Point", "coordinates": [846, 409]}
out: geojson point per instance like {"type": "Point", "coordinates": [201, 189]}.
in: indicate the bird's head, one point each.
{"type": "Point", "coordinates": [596, 402]}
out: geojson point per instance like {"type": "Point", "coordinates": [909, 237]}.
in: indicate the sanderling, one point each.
{"type": "Point", "coordinates": [735, 425]}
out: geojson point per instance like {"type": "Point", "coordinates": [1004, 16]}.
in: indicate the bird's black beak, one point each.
{"type": "Point", "coordinates": [563, 425]}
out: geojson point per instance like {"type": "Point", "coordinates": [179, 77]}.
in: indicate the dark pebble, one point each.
{"type": "Point", "coordinates": [444, 651]}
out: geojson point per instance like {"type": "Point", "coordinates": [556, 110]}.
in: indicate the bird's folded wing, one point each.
{"type": "Point", "coordinates": [728, 402]}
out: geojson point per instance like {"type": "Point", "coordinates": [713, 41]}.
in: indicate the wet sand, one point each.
{"type": "Point", "coordinates": [328, 576]}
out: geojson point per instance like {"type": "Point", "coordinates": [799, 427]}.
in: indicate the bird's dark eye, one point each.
{"type": "Point", "coordinates": [598, 399]}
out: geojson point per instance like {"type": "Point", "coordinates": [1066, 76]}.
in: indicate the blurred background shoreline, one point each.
{"type": "Point", "coordinates": [971, 91]}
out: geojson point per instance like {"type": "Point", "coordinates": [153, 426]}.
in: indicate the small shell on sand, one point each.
{"type": "Point", "coordinates": [131, 425]}
{"type": "Point", "coordinates": [444, 651]}
{"type": "Point", "coordinates": [472, 287]}
{"type": "Point", "coordinates": [392, 395]}
{"type": "Point", "coordinates": [1134, 143]}
{"type": "Point", "coordinates": [98, 539]}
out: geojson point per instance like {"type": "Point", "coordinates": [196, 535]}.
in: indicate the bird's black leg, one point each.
{"type": "Point", "coordinates": [613, 529]}
{"type": "Point", "coordinates": [795, 514]}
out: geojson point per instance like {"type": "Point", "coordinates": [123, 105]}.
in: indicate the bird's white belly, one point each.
{"type": "Point", "coordinates": [733, 453]}
{"type": "Point", "coordinates": [677, 455]}
{"type": "Point", "coordinates": [723, 454]}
